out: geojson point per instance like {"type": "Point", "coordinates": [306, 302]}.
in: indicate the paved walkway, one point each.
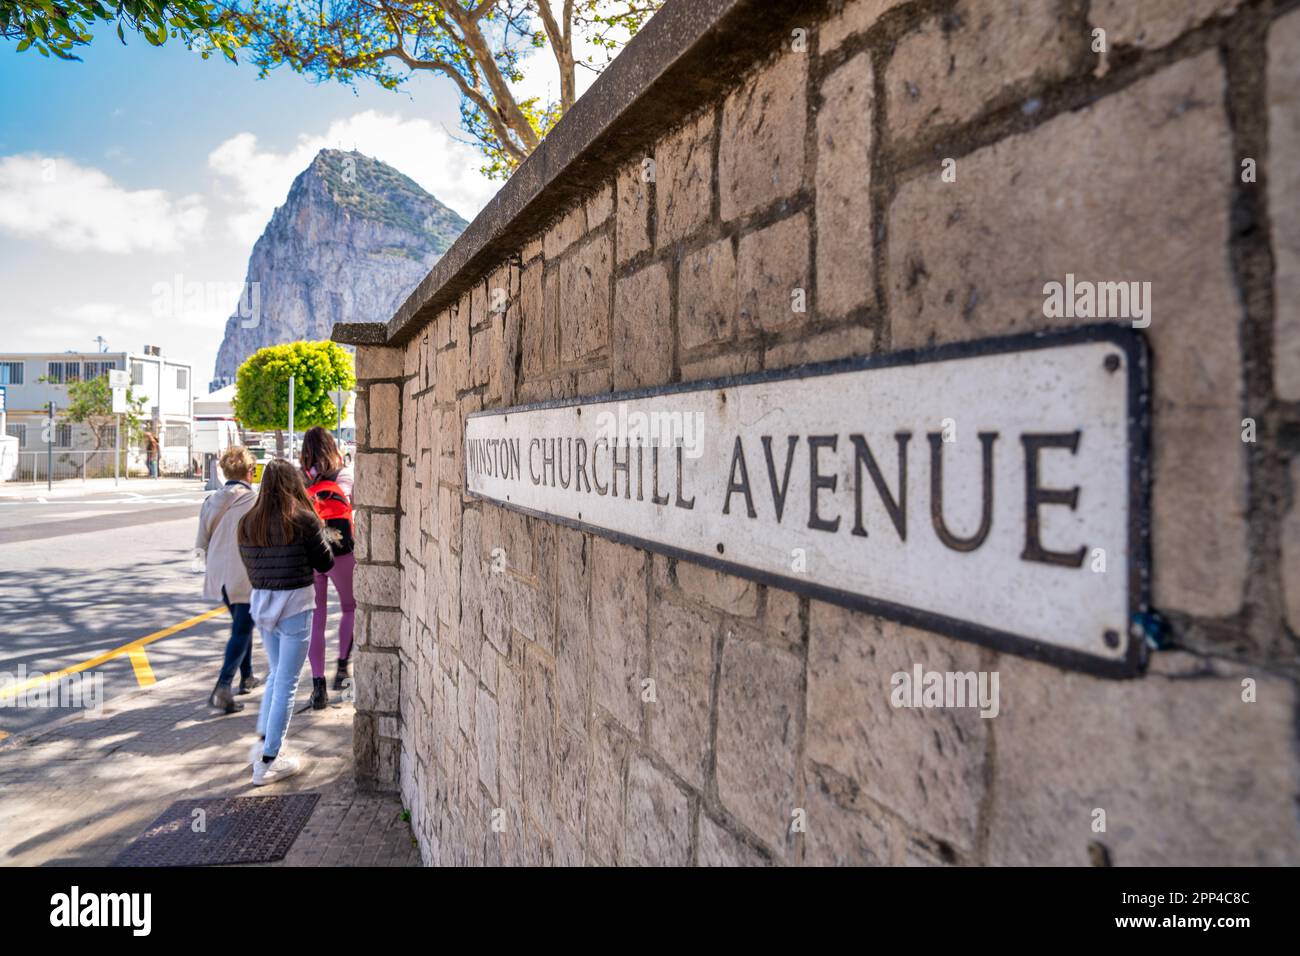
{"type": "Point", "coordinates": [80, 790]}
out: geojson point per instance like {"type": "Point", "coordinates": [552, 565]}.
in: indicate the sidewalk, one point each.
{"type": "Point", "coordinates": [79, 791]}
{"type": "Point", "coordinates": [73, 487]}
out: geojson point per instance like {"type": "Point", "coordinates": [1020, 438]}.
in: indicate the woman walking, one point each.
{"type": "Point", "coordinates": [329, 486]}
{"type": "Point", "coordinates": [283, 544]}
{"type": "Point", "coordinates": [225, 577]}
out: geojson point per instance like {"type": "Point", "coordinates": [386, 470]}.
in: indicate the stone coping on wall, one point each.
{"type": "Point", "coordinates": [689, 52]}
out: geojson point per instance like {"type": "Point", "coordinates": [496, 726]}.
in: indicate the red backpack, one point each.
{"type": "Point", "coordinates": [335, 509]}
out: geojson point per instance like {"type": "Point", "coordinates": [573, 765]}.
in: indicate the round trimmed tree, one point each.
{"type": "Point", "coordinates": [319, 369]}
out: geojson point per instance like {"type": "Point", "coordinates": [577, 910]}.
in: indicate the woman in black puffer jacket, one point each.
{"type": "Point", "coordinates": [282, 544]}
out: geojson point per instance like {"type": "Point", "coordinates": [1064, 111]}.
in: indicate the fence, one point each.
{"type": "Point", "coordinates": [35, 466]}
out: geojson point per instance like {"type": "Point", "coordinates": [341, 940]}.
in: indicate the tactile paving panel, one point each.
{"type": "Point", "coordinates": [232, 830]}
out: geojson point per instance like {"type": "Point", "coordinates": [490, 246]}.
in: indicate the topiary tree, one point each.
{"type": "Point", "coordinates": [320, 369]}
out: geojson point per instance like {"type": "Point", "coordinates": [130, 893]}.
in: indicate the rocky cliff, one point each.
{"type": "Point", "coordinates": [350, 242]}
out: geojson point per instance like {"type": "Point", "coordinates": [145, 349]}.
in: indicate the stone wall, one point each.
{"type": "Point", "coordinates": [501, 657]}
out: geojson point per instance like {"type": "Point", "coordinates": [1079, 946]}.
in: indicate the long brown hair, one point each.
{"type": "Point", "coordinates": [321, 452]}
{"type": "Point", "coordinates": [282, 509]}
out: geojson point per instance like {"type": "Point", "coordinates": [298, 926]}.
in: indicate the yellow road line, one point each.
{"type": "Point", "coordinates": [140, 664]}
{"type": "Point", "coordinates": [128, 649]}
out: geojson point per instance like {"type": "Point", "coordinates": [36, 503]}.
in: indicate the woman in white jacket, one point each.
{"type": "Point", "coordinates": [225, 577]}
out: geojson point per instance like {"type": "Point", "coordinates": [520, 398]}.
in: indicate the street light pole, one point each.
{"type": "Point", "coordinates": [49, 449]}
{"type": "Point", "coordinates": [291, 417]}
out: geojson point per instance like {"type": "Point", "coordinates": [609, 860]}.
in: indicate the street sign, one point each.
{"type": "Point", "coordinates": [119, 400]}
{"type": "Point", "coordinates": [118, 378]}
{"type": "Point", "coordinates": [993, 491]}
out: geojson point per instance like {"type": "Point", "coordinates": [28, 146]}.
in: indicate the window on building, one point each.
{"type": "Point", "coordinates": [182, 378]}
{"type": "Point", "coordinates": [11, 373]}
{"type": "Point", "coordinates": [96, 370]}
{"type": "Point", "coordinates": [108, 436]}
{"type": "Point", "coordinates": [137, 373]}
{"type": "Point", "coordinates": [63, 436]}
{"type": "Point", "coordinates": [176, 436]}
{"type": "Point", "coordinates": [19, 432]}
{"type": "Point", "coordinates": [64, 373]}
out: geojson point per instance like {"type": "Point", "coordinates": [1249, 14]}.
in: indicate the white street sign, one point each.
{"type": "Point", "coordinates": [119, 401]}
{"type": "Point", "coordinates": [994, 491]}
{"type": "Point", "coordinates": [118, 378]}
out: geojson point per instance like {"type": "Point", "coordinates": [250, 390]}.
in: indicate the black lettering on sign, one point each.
{"type": "Point", "coordinates": [778, 491]}
{"type": "Point", "coordinates": [582, 466]}
{"type": "Point", "coordinates": [742, 486]}
{"type": "Point", "coordinates": [548, 461]}
{"type": "Point", "coordinates": [625, 467]}
{"type": "Point", "coordinates": [1036, 496]}
{"type": "Point", "coordinates": [936, 493]}
{"type": "Point", "coordinates": [655, 497]}
{"type": "Point", "coordinates": [817, 481]}
{"type": "Point", "coordinates": [682, 502]}
{"type": "Point", "coordinates": [640, 471]}
{"type": "Point", "coordinates": [513, 457]}
{"type": "Point", "coordinates": [565, 476]}
{"type": "Point", "coordinates": [595, 479]}
{"type": "Point", "coordinates": [897, 507]}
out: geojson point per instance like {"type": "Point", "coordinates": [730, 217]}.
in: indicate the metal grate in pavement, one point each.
{"type": "Point", "coordinates": [224, 830]}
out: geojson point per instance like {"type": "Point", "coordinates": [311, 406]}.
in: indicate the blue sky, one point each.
{"type": "Point", "coordinates": [142, 164]}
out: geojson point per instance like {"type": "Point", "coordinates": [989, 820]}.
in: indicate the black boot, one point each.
{"type": "Point", "coordinates": [224, 700]}
{"type": "Point", "coordinates": [320, 698]}
{"type": "Point", "coordinates": [341, 675]}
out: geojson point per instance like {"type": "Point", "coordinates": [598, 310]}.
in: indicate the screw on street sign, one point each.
{"type": "Point", "coordinates": [993, 491]}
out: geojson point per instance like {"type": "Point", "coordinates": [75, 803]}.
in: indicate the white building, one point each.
{"type": "Point", "coordinates": [34, 379]}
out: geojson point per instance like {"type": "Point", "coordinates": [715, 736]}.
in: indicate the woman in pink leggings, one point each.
{"type": "Point", "coordinates": [329, 486]}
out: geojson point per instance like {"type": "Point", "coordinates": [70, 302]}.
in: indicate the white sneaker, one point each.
{"type": "Point", "coordinates": [277, 770]}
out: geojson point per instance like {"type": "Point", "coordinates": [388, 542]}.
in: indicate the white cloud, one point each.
{"type": "Point", "coordinates": [80, 208]}
{"type": "Point", "coordinates": [103, 315]}
{"type": "Point", "coordinates": [261, 178]}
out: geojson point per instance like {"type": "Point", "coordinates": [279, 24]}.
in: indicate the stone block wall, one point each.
{"type": "Point", "coordinates": [502, 658]}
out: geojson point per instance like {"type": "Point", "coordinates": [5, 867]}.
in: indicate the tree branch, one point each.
{"type": "Point", "coordinates": [506, 107]}
{"type": "Point", "coordinates": [562, 47]}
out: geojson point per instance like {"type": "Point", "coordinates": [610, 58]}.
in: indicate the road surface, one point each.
{"type": "Point", "coordinates": [100, 584]}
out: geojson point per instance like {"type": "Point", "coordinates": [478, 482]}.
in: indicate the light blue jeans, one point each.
{"type": "Point", "coordinates": [286, 649]}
